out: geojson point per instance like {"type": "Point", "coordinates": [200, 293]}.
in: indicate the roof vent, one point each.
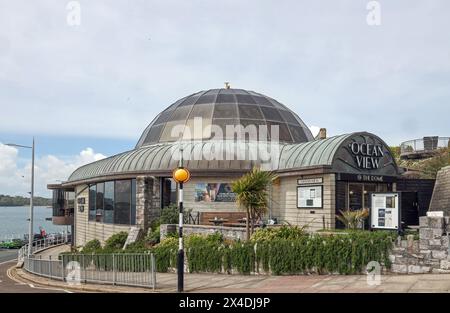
{"type": "Point", "coordinates": [227, 85]}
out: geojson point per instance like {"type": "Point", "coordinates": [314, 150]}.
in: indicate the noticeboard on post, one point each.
{"type": "Point", "coordinates": [385, 210]}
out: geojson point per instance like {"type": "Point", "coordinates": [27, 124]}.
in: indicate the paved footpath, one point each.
{"type": "Point", "coordinates": [213, 283]}
{"type": "Point", "coordinates": [208, 283]}
{"type": "Point", "coordinates": [220, 283]}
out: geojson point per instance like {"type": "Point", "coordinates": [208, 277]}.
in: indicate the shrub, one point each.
{"type": "Point", "coordinates": [297, 254]}
{"type": "Point", "coordinates": [116, 242]}
{"type": "Point", "coordinates": [169, 215]}
{"type": "Point", "coordinates": [153, 236]}
{"type": "Point", "coordinates": [353, 219]}
{"type": "Point", "coordinates": [92, 246]}
{"type": "Point", "coordinates": [138, 246]}
{"type": "Point", "coordinates": [166, 254]}
{"type": "Point", "coordinates": [283, 232]}
{"type": "Point", "coordinates": [204, 253]}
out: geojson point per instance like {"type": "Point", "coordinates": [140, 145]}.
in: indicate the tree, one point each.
{"type": "Point", "coordinates": [251, 194]}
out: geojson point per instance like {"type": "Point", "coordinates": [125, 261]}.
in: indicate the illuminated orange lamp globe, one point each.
{"type": "Point", "coordinates": [181, 175]}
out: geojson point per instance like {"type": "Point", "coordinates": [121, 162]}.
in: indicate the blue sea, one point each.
{"type": "Point", "coordinates": [14, 223]}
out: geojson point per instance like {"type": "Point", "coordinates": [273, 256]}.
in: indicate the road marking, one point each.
{"type": "Point", "coordinates": [10, 261]}
{"type": "Point", "coordinates": [8, 273]}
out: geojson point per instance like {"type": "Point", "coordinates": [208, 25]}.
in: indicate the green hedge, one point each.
{"type": "Point", "coordinates": [279, 251]}
{"type": "Point", "coordinates": [340, 253]}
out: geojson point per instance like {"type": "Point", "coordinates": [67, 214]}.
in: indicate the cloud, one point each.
{"type": "Point", "coordinates": [110, 76]}
{"type": "Point", "coordinates": [15, 173]}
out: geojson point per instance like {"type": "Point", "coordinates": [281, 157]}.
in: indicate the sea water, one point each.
{"type": "Point", "coordinates": [14, 221]}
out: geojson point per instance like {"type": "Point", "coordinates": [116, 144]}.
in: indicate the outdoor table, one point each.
{"type": "Point", "coordinates": [218, 222]}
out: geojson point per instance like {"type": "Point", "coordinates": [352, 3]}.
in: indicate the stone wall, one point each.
{"type": "Point", "coordinates": [440, 200]}
{"type": "Point", "coordinates": [429, 254]}
{"type": "Point", "coordinates": [147, 201]}
{"type": "Point", "coordinates": [233, 233]}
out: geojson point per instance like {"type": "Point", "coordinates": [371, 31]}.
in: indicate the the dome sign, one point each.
{"type": "Point", "coordinates": [367, 156]}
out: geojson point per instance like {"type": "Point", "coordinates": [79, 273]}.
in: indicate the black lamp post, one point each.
{"type": "Point", "coordinates": [181, 175]}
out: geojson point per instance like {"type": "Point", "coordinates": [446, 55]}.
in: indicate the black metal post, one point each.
{"type": "Point", "coordinates": [180, 259]}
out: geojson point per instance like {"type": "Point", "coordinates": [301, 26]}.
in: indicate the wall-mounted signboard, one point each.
{"type": "Point", "coordinates": [309, 197]}
{"type": "Point", "coordinates": [214, 192]}
{"type": "Point", "coordinates": [385, 210]}
{"type": "Point", "coordinates": [309, 181]}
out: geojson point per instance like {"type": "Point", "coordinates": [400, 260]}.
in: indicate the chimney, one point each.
{"type": "Point", "coordinates": [227, 85]}
{"type": "Point", "coordinates": [322, 134]}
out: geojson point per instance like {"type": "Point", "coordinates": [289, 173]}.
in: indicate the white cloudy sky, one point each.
{"type": "Point", "coordinates": [88, 91]}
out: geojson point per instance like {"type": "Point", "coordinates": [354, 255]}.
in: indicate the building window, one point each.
{"type": "Point", "coordinates": [113, 202]}
{"type": "Point", "coordinates": [168, 192]}
{"type": "Point", "coordinates": [92, 202]}
{"type": "Point", "coordinates": [58, 202]}
{"type": "Point", "coordinates": [122, 202]}
{"type": "Point", "coordinates": [133, 203]}
{"type": "Point", "coordinates": [99, 208]}
{"type": "Point", "coordinates": [108, 212]}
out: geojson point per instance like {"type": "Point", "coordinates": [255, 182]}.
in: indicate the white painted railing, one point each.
{"type": "Point", "coordinates": [41, 244]}
{"type": "Point", "coordinates": [137, 269]}
{"type": "Point", "coordinates": [127, 269]}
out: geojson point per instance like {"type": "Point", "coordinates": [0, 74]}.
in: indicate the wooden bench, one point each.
{"type": "Point", "coordinates": [232, 218]}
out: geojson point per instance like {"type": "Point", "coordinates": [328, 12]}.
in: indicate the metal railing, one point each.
{"type": "Point", "coordinates": [192, 218]}
{"type": "Point", "coordinates": [115, 269]}
{"type": "Point", "coordinates": [128, 269]}
{"type": "Point", "coordinates": [52, 269]}
{"type": "Point", "coordinates": [41, 244]}
{"type": "Point", "coordinates": [423, 145]}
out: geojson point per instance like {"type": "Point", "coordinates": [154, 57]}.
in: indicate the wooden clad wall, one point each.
{"type": "Point", "coordinates": [285, 195]}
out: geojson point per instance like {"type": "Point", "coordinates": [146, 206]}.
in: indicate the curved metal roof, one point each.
{"type": "Point", "coordinates": [222, 107]}
{"type": "Point", "coordinates": [163, 157]}
{"type": "Point", "coordinates": [309, 154]}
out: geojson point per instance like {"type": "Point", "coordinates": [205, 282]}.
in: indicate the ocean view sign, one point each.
{"type": "Point", "coordinates": [367, 155]}
{"type": "Point", "coordinates": [214, 192]}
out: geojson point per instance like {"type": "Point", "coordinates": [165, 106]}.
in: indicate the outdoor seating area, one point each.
{"type": "Point", "coordinates": [230, 219]}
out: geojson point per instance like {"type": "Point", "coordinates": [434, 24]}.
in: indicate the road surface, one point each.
{"type": "Point", "coordinates": [9, 285]}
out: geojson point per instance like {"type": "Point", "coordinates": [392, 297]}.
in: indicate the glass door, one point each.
{"type": "Point", "coordinates": [368, 188]}
{"type": "Point", "coordinates": [355, 195]}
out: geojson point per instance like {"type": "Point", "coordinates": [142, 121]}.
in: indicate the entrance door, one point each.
{"type": "Point", "coordinates": [410, 209]}
{"type": "Point", "coordinates": [355, 196]}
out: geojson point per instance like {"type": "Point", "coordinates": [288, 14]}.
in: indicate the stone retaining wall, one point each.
{"type": "Point", "coordinates": [440, 200]}
{"type": "Point", "coordinates": [233, 233]}
{"type": "Point", "coordinates": [429, 254]}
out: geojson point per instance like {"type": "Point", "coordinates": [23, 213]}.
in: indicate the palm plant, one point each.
{"type": "Point", "coordinates": [251, 194]}
{"type": "Point", "coordinates": [352, 219]}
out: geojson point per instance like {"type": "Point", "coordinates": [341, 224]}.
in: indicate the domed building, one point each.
{"type": "Point", "coordinates": [222, 134]}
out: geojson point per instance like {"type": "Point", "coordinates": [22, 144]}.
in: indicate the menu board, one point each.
{"type": "Point", "coordinates": [385, 211]}
{"type": "Point", "coordinates": [309, 197]}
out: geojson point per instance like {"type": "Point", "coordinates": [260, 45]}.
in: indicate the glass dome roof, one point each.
{"type": "Point", "coordinates": [221, 107]}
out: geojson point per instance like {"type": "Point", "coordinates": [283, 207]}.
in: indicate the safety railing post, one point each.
{"type": "Point", "coordinates": [152, 261]}
{"type": "Point", "coordinates": [114, 269]}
